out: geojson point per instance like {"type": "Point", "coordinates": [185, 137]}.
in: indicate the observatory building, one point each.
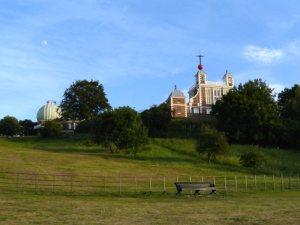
{"type": "Point", "coordinates": [51, 111]}
{"type": "Point", "coordinates": [202, 95]}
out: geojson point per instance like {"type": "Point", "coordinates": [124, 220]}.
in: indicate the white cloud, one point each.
{"type": "Point", "coordinates": [261, 54]}
{"type": "Point", "coordinates": [45, 42]}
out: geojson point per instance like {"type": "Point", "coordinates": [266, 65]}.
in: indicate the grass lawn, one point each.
{"type": "Point", "coordinates": [261, 208]}
{"type": "Point", "coordinates": [163, 157]}
{"type": "Point", "coordinates": [170, 157]}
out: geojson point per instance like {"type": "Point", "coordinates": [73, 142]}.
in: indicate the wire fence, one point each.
{"type": "Point", "coordinates": [121, 184]}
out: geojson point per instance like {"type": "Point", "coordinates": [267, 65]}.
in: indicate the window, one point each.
{"type": "Point", "coordinates": [208, 96]}
{"type": "Point", "coordinates": [208, 110]}
{"type": "Point", "coordinates": [196, 110]}
{"type": "Point", "coordinates": [217, 94]}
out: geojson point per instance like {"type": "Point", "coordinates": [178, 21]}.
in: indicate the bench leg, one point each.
{"type": "Point", "coordinates": [179, 191]}
{"type": "Point", "coordinates": [213, 192]}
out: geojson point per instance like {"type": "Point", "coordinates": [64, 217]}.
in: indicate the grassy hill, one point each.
{"type": "Point", "coordinates": [163, 157]}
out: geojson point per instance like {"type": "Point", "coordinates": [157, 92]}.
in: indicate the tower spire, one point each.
{"type": "Point", "coordinates": [200, 66]}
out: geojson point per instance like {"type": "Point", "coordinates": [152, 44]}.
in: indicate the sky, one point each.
{"type": "Point", "coordinates": [140, 49]}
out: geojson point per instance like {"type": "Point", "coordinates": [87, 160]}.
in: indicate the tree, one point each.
{"type": "Point", "coordinates": [120, 128]}
{"type": "Point", "coordinates": [247, 113]}
{"type": "Point", "coordinates": [52, 128]}
{"type": "Point", "coordinates": [9, 126]}
{"type": "Point", "coordinates": [252, 159]}
{"type": "Point", "coordinates": [212, 143]}
{"type": "Point", "coordinates": [27, 127]}
{"type": "Point", "coordinates": [289, 103]}
{"type": "Point", "coordinates": [84, 100]}
{"type": "Point", "coordinates": [157, 119]}
{"type": "Point", "coordinates": [289, 107]}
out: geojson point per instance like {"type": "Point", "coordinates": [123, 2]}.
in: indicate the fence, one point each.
{"type": "Point", "coordinates": [86, 185]}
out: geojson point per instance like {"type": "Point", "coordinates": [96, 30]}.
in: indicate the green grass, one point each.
{"type": "Point", "coordinates": [163, 157]}
{"type": "Point", "coordinates": [278, 208]}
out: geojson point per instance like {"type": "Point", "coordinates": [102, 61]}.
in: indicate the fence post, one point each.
{"type": "Point", "coordinates": [273, 183]}
{"type": "Point", "coordinates": [214, 181]}
{"type": "Point", "coordinates": [164, 184]}
{"type": "Point", "coordinates": [255, 182]}
{"type": "Point", "coordinates": [190, 179]}
{"type": "Point", "coordinates": [202, 178]}
{"type": "Point", "coordinates": [282, 182]}
{"type": "Point", "coordinates": [236, 187]}
{"type": "Point", "coordinates": [120, 183]}
{"type": "Point", "coordinates": [246, 184]}
{"type": "Point", "coordinates": [150, 184]}
{"type": "Point", "coordinates": [35, 183]}
{"type": "Point", "coordinates": [177, 179]}
{"type": "Point", "coordinates": [17, 183]}
{"type": "Point", "coordinates": [71, 184]}
{"type": "Point", "coordinates": [53, 183]}
{"type": "Point", "coordinates": [265, 182]}
{"type": "Point", "coordinates": [225, 184]}
{"type": "Point", "coordinates": [104, 181]}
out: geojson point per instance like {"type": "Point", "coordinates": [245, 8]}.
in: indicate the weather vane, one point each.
{"type": "Point", "coordinates": [200, 66]}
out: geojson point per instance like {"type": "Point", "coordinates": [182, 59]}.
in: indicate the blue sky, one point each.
{"type": "Point", "coordinates": [140, 49]}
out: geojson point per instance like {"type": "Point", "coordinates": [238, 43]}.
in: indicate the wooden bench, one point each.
{"type": "Point", "coordinates": [195, 186]}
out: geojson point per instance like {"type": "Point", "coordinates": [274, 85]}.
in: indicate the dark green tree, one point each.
{"type": "Point", "coordinates": [247, 113]}
{"type": "Point", "coordinates": [289, 103]}
{"type": "Point", "coordinates": [51, 128]}
{"type": "Point", "coordinates": [211, 143]}
{"type": "Point", "coordinates": [84, 100]}
{"type": "Point", "coordinates": [121, 128]}
{"type": "Point", "coordinates": [9, 126]}
{"type": "Point", "coordinates": [157, 119]}
{"type": "Point", "coordinates": [27, 127]}
{"type": "Point", "coordinates": [288, 133]}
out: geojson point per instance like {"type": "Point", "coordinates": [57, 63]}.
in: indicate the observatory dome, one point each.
{"type": "Point", "coordinates": [50, 111]}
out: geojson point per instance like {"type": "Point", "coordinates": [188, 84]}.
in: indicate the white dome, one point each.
{"type": "Point", "coordinates": [50, 111]}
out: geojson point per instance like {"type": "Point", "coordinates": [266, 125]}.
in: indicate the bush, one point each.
{"type": "Point", "coordinates": [9, 126]}
{"type": "Point", "coordinates": [27, 127]}
{"type": "Point", "coordinates": [212, 143]}
{"type": "Point", "coordinates": [247, 112]}
{"type": "Point", "coordinates": [252, 159]}
{"type": "Point", "coordinates": [157, 119]}
{"type": "Point", "coordinates": [85, 127]}
{"type": "Point", "coordinates": [51, 129]}
{"type": "Point", "coordinates": [120, 129]}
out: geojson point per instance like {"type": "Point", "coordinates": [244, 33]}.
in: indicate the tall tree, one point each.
{"type": "Point", "coordinates": [212, 143]}
{"type": "Point", "coordinates": [157, 119]}
{"type": "Point", "coordinates": [9, 126]}
{"type": "Point", "coordinates": [289, 106]}
{"type": "Point", "coordinates": [27, 127]}
{"type": "Point", "coordinates": [247, 113]}
{"type": "Point", "coordinates": [120, 128]}
{"type": "Point", "coordinates": [289, 103]}
{"type": "Point", "coordinates": [84, 100]}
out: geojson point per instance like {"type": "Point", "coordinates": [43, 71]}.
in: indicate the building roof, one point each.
{"type": "Point", "coordinates": [176, 93]}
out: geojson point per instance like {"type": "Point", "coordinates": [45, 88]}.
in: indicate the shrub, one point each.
{"type": "Point", "coordinates": [120, 129]}
{"type": "Point", "coordinates": [252, 159]}
{"type": "Point", "coordinates": [85, 127]}
{"type": "Point", "coordinates": [212, 143]}
{"type": "Point", "coordinates": [9, 126]}
{"type": "Point", "coordinates": [27, 127]}
{"type": "Point", "coordinates": [51, 129]}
